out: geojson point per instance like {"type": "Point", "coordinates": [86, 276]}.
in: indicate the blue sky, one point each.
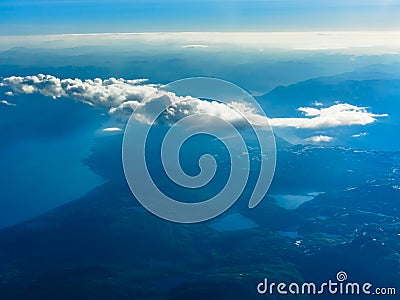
{"type": "Point", "coordinates": [88, 16]}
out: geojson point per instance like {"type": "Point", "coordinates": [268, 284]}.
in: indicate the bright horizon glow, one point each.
{"type": "Point", "coordinates": [366, 42]}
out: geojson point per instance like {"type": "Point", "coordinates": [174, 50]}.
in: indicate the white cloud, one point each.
{"type": "Point", "coordinates": [112, 129]}
{"type": "Point", "coordinates": [317, 103]}
{"type": "Point", "coordinates": [309, 111]}
{"type": "Point", "coordinates": [341, 114]}
{"type": "Point", "coordinates": [195, 46]}
{"type": "Point", "coordinates": [179, 107]}
{"type": "Point", "coordinates": [103, 93]}
{"type": "Point", "coordinates": [359, 134]}
{"type": "Point", "coordinates": [319, 139]}
{"type": "Point", "coordinates": [9, 93]}
{"type": "Point", "coordinates": [124, 109]}
{"type": "Point", "coordinates": [5, 102]}
{"type": "Point", "coordinates": [121, 96]}
{"type": "Point", "coordinates": [356, 42]}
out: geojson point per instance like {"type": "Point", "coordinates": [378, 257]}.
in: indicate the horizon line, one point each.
{"type": "Point", "coordinates": [208, 32]}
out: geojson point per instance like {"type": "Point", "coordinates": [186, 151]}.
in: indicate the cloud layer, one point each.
{"type": "Point", "coordinates": [107, 93]}
{"type": "Point", "coordinates": [319, 139]}
{"type": "Point", "coordinates": [341, 114]}
{"type": "Point", "coordinates": [121, 96]}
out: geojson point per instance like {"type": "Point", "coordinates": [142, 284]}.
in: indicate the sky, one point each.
{"type": "Point", "coordinates": [22, 17]}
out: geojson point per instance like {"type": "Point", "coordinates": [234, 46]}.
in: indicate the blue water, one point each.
{"type": "Point", "coordinates": [233, 222]}
{"type": "Point", "coordinates": [39, 175]}
{"type": "Point", "coordinates": [293, 201]}
{"type": "Point", "coordinates": [43, 143]}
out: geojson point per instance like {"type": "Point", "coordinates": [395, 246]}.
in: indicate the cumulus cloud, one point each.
{"type": "Point", "coordinates": [124, 109]}
{"type": "Point", "coordinates": [9, 93]}
{"type": "Point", "coordinates": [103, 93]}
{"type": "Point", "coordinates": [5, 102]}
{"type": "Point", "coordinates": [179, 107]}
{"type": "Point", "coordinates": [121, 96]}
{"type": "Point", "coordinates": [319, 139]}
{"type": "Point", "coordinates": [341, 114]}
